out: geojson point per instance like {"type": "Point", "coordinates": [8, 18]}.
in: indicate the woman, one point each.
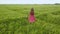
{"type": "Point", "coordinates": [31, 17]}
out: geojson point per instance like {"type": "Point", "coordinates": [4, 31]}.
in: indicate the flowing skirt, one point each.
{"type": "Point", "coordinates": [31, 18]}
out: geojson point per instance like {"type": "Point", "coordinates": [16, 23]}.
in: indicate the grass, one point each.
{"type": "Point", "coordinates": [13, 19]}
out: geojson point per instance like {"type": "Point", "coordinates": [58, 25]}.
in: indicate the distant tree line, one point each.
{"type": "Point", "coordinates": [57, 3]}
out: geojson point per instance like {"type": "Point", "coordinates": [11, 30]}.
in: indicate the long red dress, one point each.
{"type": "Point", "coordinates": [31, 17]}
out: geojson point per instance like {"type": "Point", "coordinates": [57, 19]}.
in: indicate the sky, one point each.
{"type": "Point", "coordinates": [29, 1]}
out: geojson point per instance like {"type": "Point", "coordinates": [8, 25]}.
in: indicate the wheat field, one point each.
{"type": "Point", "coordinates": [14, 19]}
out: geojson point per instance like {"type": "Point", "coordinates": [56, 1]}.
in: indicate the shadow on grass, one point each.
{"type": "Point", "coordinates": [56, 13]}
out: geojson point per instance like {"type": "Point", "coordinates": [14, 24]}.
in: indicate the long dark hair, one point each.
{"type": "Point", "coordinates": [32, 11]}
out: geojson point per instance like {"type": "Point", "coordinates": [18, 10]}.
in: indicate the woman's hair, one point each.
{"type": "Point", "coordinates": [32, 11]}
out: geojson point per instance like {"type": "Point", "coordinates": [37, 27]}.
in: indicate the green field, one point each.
{"type": "Point", "coordinates": [14, 19]}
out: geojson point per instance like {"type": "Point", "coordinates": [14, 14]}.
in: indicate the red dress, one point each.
{"type": "Point", "coordinates": [31, 17]}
